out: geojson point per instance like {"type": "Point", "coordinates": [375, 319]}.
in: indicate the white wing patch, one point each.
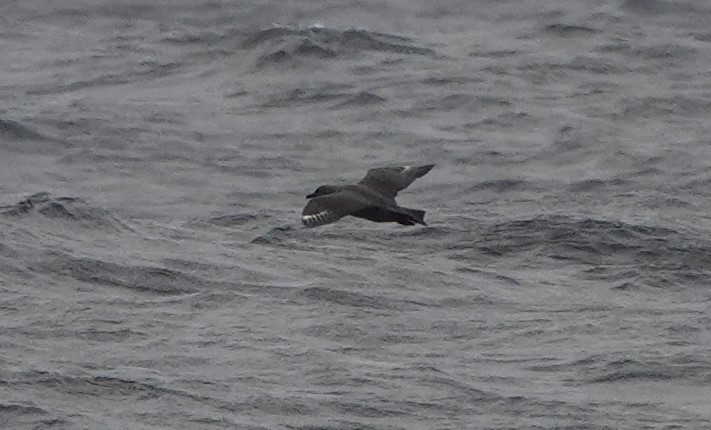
{"type": "Point", "coordinates": [313, 220]}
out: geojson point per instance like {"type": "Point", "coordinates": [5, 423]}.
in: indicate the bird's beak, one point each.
{"type": "Point", "coordinates": [311, 196]}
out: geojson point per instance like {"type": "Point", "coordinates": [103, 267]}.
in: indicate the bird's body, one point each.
{"type": "Point", "coordinates": [373, 198]}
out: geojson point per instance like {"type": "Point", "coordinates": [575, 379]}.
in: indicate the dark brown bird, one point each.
{"type": "Point", "coordinates": [373, 198]}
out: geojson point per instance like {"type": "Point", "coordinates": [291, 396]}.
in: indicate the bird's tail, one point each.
{"type": "Point", "coordinates": [415, 216]}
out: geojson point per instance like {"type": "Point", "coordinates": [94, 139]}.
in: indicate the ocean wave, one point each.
{"type": "Point", "coordinates": [294, 46]}
{"type": "Point", "coordinates": [362, 98]}
{"type": "Point", "coordinates": [275, 236]}
{"type": "Point", "coordinates": [594, 185]}
{"type": "Point", "coordinates": [301, 96]}
{"type": "Point", "coordinates": [72, 209]}
{"type": "Point", "coordinates": [18, 137]}
{"type": "Point", "coordinates": [143, 71]}
{"type": "Point", "coordinates": [569, 30]}
{"type": "Point", "coordinates": [678, 106]}
{"type": "Point", "coordinates": [501, 185]}
{"type": "Point", "coordinates": [631, 369]}
{"type": "Point", "coordinates": [13, 130]}
{"type": "Point", "coordinates": [229, 220]}
{"type": "Point", "coordinates": [349, 298]}
{"type": "Point", "coordinates": [611, 250]}
{"type": "Point", "coordinates": [150, 279]}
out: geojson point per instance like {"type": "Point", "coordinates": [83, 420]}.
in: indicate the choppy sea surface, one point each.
{"type": "Point", "coordinates": [154, 158]}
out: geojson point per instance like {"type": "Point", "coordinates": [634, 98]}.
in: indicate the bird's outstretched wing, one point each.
{"type": "Point", "coordinates": [387, 181]}
{"type": "Point", "coordinates": [331, 207]}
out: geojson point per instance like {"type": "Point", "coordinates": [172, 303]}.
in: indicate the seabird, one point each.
{"type": "Point", "coordinates": [373, 198]}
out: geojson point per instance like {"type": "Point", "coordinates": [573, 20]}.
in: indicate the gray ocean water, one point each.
{"type": "Point", "coordinates": [155, 155]}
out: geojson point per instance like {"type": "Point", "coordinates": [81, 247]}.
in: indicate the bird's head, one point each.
{"type": "Point", "coordinates": [323, 190]}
